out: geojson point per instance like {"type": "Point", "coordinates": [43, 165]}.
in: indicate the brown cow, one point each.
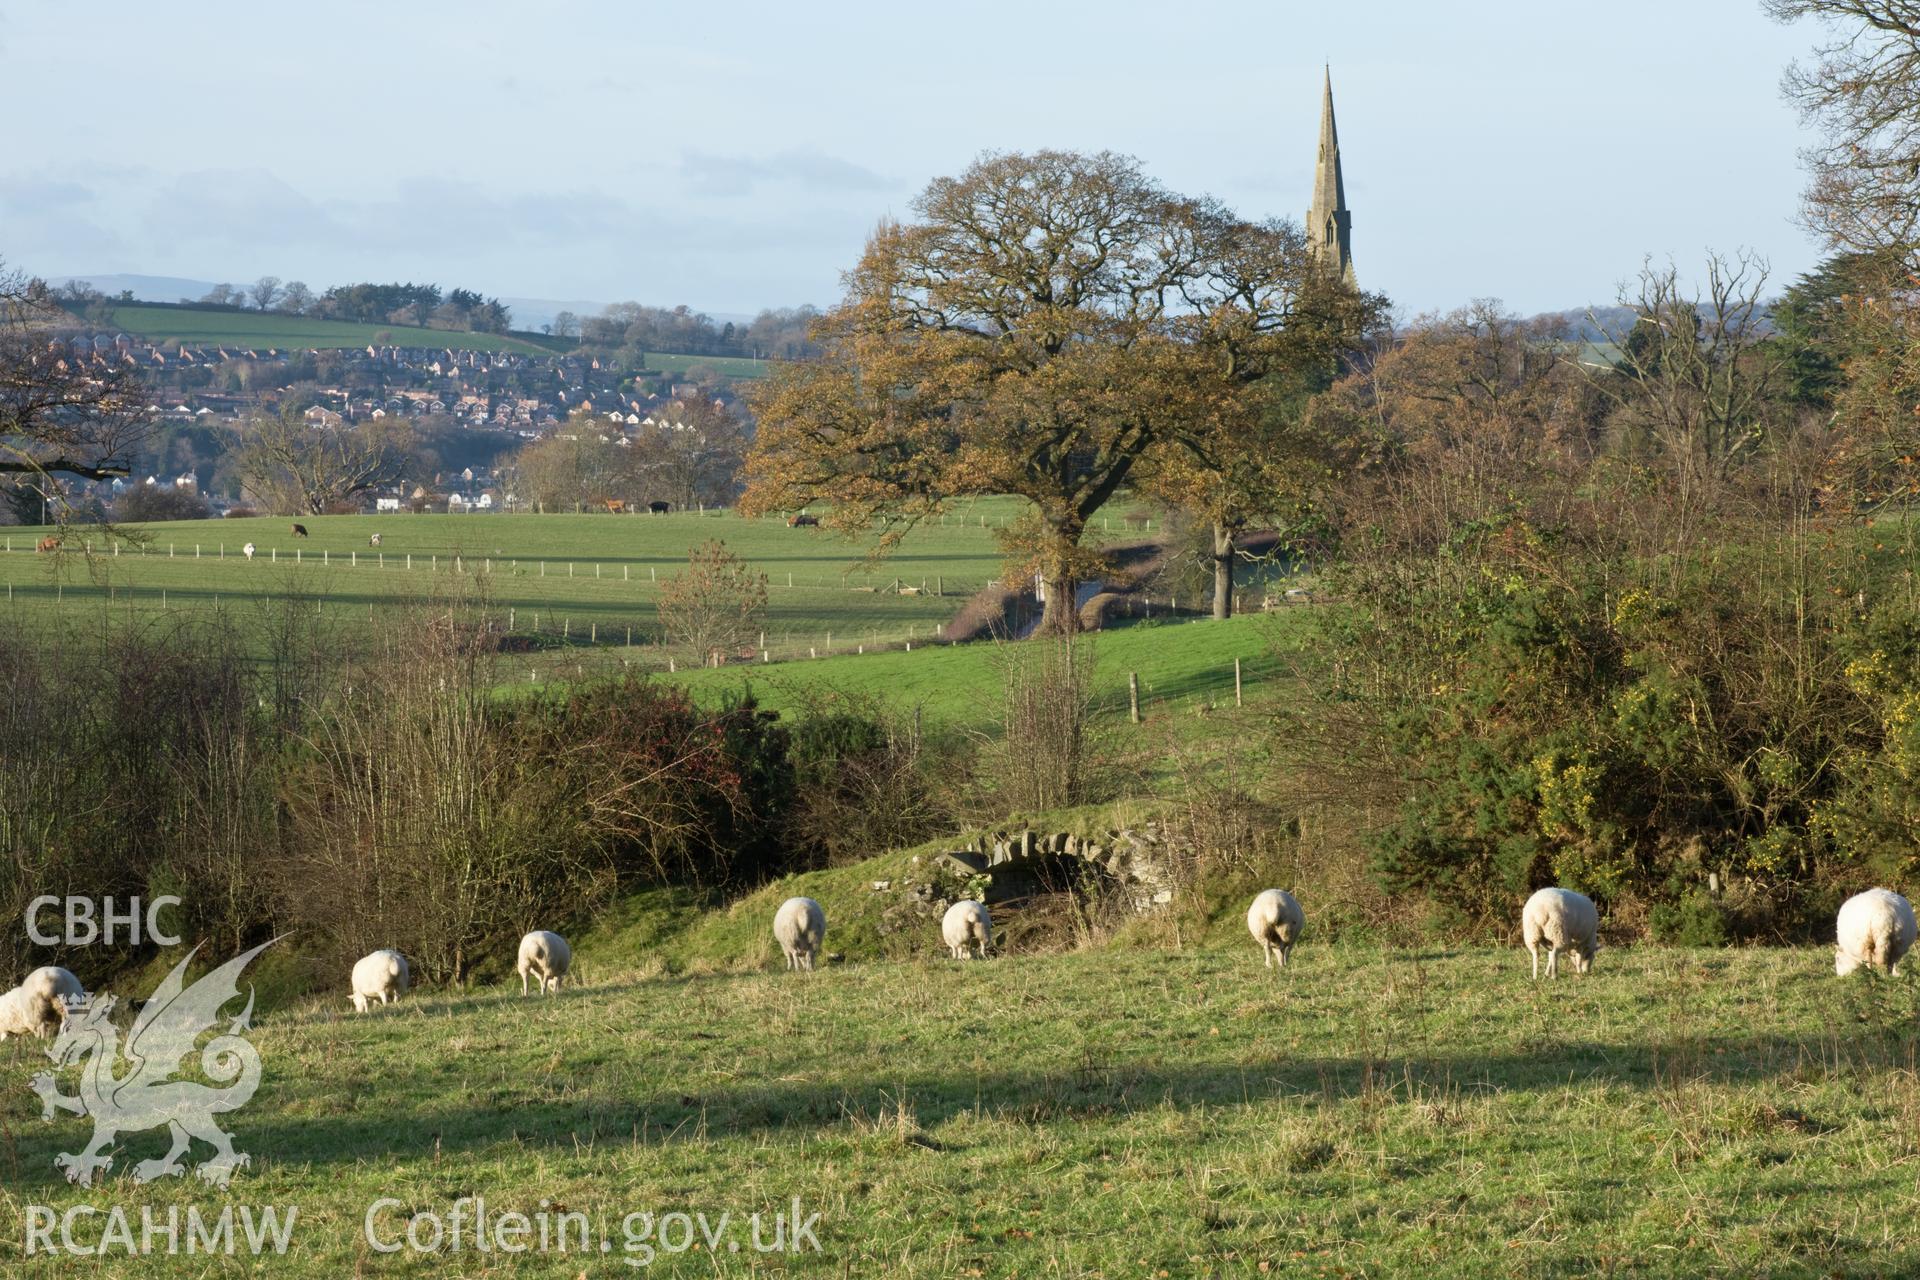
{"type": "Point", "coordinates": [299, 531]}
{"type": "Point", "coordinates": [48, 543]}
{"type": "Point", "coordinates": [802, 521]}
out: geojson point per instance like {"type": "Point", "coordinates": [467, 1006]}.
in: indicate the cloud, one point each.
{"type": "Point", "coordinates": [733, 175]}
{"type": "Point", "coordinates": [227, 205]}
{"type": "Point", "coordinates": [46, 219]}
{"type": "Point", "coordinates": [588, 241]}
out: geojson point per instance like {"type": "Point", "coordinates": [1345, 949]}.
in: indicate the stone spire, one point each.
{"type": "Point", "coordinates": [1329, 223]}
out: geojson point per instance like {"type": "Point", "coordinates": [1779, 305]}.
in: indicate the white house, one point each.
{"type": "Point", "coordinates": [386, 504]}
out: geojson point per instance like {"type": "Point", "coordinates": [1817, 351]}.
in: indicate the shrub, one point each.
{"type": "Point", "coordinates": [717, 607]}
{"type": "Point", "coordinates": [147, 503]}
{"type": "Point", "coordinates": [865, 779]}
{"type": "Point", "coordinates": [1695, 920]}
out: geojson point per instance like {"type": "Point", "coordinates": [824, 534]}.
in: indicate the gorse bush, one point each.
{"type": "Point", "coordinates": [1628, 643]}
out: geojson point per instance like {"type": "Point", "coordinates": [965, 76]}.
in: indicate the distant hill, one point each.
{"type": "Point", "coordinates": [225, 326]}
{"type": "Point", "coordinates": [143, 288]}
{"type": "Point", "coordinates": [529, 314]}
{"type": "Point", "coordinates": [1613, 319]}
{"type": "Point", "coordinates": [532, 314]}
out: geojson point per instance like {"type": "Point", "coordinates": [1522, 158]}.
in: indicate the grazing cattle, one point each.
{"type": "Point", "coordinates": [49, 544]}
{"type": "Point", "coordinates": [802, 521]}
{"type": "Point", "coordinates": [299, 531]}
{"type": "Point", "coordinates": [659, 508]}
{"type": "Point", "coordinates": [247, 551]}
{"type": "Point", "coordinates": [374, 540]}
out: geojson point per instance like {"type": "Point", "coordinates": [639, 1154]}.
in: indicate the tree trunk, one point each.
{"type": "Point", "coordinates": [1060, 618]}
{"type": "Point", "coordinates": [1222, 571]}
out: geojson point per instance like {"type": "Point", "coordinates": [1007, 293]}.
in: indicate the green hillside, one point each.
{"type": "Point", "coordinates": [196, 326]}
{"type": "Point", "coordinates": [1181, 664]}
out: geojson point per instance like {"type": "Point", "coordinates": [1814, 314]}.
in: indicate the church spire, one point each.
{"type": "Point", "coordinates": [1329, 223]}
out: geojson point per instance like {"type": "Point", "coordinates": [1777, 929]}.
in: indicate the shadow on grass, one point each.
{"type": "Point", "coordinates": [1082, 1088]}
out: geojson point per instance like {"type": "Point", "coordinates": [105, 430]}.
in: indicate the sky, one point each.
{"type": "Point", "coordinates": [735, 156]}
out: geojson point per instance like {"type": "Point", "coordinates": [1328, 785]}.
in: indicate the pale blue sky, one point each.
{"type": "Point", "coordinates": [734, 156]}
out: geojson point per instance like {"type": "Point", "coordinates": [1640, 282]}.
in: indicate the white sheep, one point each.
{"type": "Point", "coordinates": [38, 1005]}
{"type": "Point", "coordinates": [799, 926]}
{"type": "Point", "coordinates": [1875, 929]}
{"type": "Point", "coordinates": [1564, 921]}
{"type": "Point", "coordinates": [1275, 920]}
{"type": "Point", "coordinates": [544, 955]}
{"type": "Point", "coordinates": [247, 551]}
{"type": "Point", "coordinates": [381, 976]}
{"type": "Point", "coordinates": [967, 927]}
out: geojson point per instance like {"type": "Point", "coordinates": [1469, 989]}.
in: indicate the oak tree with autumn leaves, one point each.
{"type": "Point", "coordinates": [1055, 326]}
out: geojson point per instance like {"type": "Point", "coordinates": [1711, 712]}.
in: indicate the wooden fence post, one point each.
{"type": "Point", "coordinates": [1236, 682]}
{"type": "Point", "coordinates": [1133, 695]}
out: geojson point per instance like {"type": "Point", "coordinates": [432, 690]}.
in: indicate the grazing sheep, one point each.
{"type": "Point", "coordinates": [798, 926]}
{"type": "Point", "coordinates": [380, 976]}
{"type": "Point", "coordinates": [38, 1005]}
{"type": "Point", "coordinates": [373, 540]}
{"type": "Point", "coordinates": [247, 551]}
{"type": "Point", "coordinates": [1875, 929]}
{"type": "Point", "coordinates": [1275, 921]}
{"type": "Point", "coordinates": [1564, 921]}
{"type": "Point", "coordinates": [967, 926]}
{"type": "Point", "coordinates": [547, 956]}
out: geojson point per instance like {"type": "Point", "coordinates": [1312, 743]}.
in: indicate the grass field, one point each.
{"type": "Point", "coordinates": [1126, 1112]}
{"type": "Point", "coordinates": [728, 366]}
{"type": "Point", "coordinates": [575, 582]}
{"type": "Point", "coordinates": [1180, 664]}
{"type": "Point", "coordinates": [260, 329]}
{"type": "Point", "coordinates": [254, 329]}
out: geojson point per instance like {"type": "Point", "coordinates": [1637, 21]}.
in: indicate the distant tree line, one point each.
{"type": "Point", "coordinates": [416, 305]}
{"type": "Point", "coordinates": [627, 331]}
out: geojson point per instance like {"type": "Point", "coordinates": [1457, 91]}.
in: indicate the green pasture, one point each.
{"type": "Point", "coordinates": [266, 329]}
{"type": "Point", "coordinates": [1137, 1110]}
{"type": "Point", "coordinates": [1183, 665]}
{"type": "Point", "coordinates": [726, 366]}
{"type": "Point", "coordinates": [582, 587]}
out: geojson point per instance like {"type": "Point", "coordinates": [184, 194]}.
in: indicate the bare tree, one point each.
{"type": "Point", "coordinates": [265, 292]}
{"type": "Point", "coordinates": [59, 415]}
{"type": "Point", "coordinates": [306, 470]}
{"type": "Point", "coordinates": [1863, 90]}
{"type": "Point", "coordinates": [1692, 378]}
{"type": "Point", "coordinates": [717, 605]}
{"type": "Point", "coordinates": [296, 298]}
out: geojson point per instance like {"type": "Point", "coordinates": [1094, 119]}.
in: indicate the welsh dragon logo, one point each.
{"type": "Point", "coordinates": [147, 1096]}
